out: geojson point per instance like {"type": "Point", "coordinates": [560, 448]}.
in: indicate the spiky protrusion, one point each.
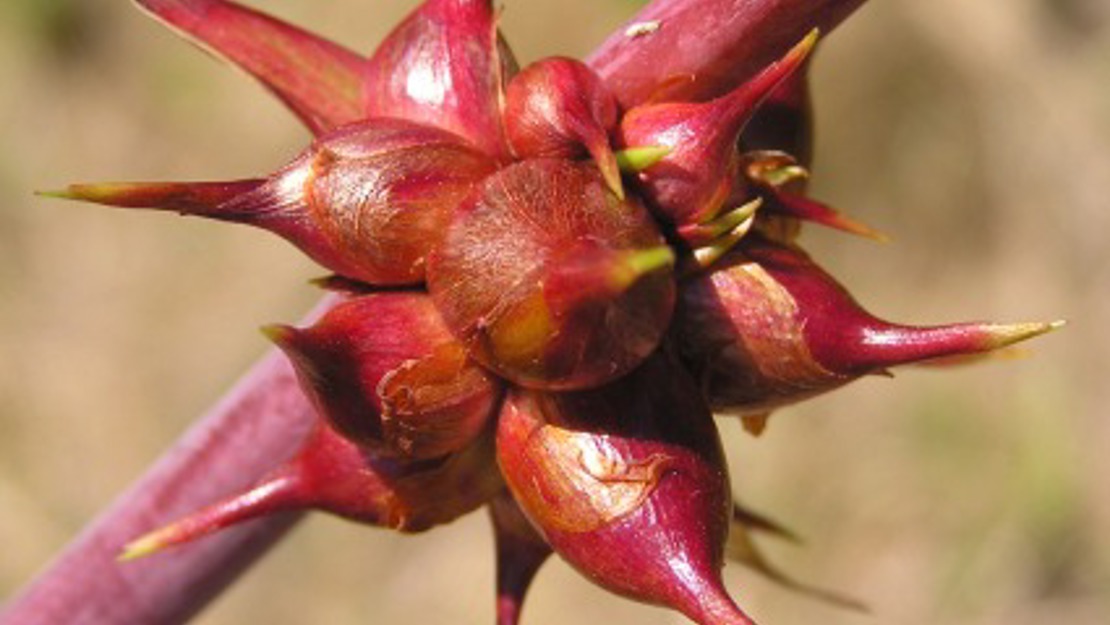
{"type": "Point", "coordinates": [332, 474]}
{"type": "Point", "coordinates": [369, 200]}
{"type": "Point", "coordinates": [767, 327]}
{"type": "Point", "coordinates": [690, 185]}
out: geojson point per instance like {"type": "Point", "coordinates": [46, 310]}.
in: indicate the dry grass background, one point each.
{"type": "Point", "coordinates": [976, 133]}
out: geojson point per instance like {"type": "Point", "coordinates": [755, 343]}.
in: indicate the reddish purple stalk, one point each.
{"type": "Point", "coordinates": [700, 49]}
{"type": "Point", "coordinates": [265, 416]}
{"type": "Point", "coordinates": [262, 418]}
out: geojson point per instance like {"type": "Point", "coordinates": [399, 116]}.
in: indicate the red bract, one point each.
{"type": "Point", "coordinates": [539, 293]}
{"type": "Point", "coordinates": [368, 200]}
{"type": "Point", "coordinates": [443, 66]}
{"type": "Point", "coordinates": [550, 279]}
{"type": "Point", "coordinates": [691, 184]}
{"type": "Point", "coordinates": [629, 484]}
{"type": "Point", "coordinates": [385, 372]}
{"type": "Point", "coordinates": [768, 327]}
{"type": "Point", "coordinates": [333, 474]}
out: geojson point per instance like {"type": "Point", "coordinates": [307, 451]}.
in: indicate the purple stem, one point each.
{"type": "Point", "coordinates": [264, 417]}
{"type": "Point", "coordinates": [257, 424]}
{"type": "Point", "coordinates": [699, 49]}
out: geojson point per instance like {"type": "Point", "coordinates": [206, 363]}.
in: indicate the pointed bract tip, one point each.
{"type": "Point", "coordinates": [706, 255]}
{"type": "Point", "coordinates": [62, 194]}
{"type": "Point", "coordinates": [744, 212]}
{"type": "Point", "coordinates": [807, 208]}
{"type": "Point", "coordinates": [1003, 335]}
{"type": "Point", "coordinates": [321, 282]}
{"type": "Point", "coordinates": [739, 104]}
{"type": "Point", "coordinates": [610, 169]}
{"type": "Point", "coordinates": [100, 193]}
{"type": "Point", "coordinates": [143, 546]}
{"type": "Point", "coordinates": [633, 265]}
{"type": "Point", "coordinates": [711, 232]}
{"type": "Point", "coordinates": [280, 334]}
{"type": "Point", "coordinates": [191, 198]}
{"type": "Point", "coordinates": [844, 223]}
{"type": "Point", "coordinates": [637, 159]}
{"type": "Point", "coordinates": [809, 41]}
{"type": "Point", "coordinates": [800, 51]}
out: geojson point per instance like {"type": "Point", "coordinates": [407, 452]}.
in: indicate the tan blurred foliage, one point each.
{"type": "Point", "coordinates": [977, 134]}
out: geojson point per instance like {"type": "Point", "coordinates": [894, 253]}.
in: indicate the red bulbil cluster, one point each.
{"type": "Point", "coordinates": [550, 280]}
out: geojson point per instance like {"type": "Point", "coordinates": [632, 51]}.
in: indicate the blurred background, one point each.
{"type": "Point", "coordinates": [976, 134]}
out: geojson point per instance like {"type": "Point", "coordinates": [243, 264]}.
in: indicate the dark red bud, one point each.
{"type": "Point", "coordinates": [627, 483]}
{"type": "Point", "coordinates": [368, 201]}
{"type": "Point", "coordinates": [444, 66]}
{"type": "Point", "coordinates": [768, 327]}
{"type": "Point", "coordinates": [558, 107]}
{"type": "Point", "coordinates": [520, 553]}
{"type": "Point", "coordinates": [691, 184]}
{"type": "Point", "coordinates": [552, 281]}
{"type": "Point", "coordinates": [334, 475]}
{"type": "Point", "coordinates": [386, 373]}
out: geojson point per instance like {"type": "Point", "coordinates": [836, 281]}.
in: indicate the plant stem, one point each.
{"type": "Point", "coordinates": [259, 422]}
{"type": "Point", "coordinates": [699, 49]}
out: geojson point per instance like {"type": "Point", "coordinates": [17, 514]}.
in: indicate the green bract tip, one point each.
{"type": "Point", "coordinates": [635, 160]}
